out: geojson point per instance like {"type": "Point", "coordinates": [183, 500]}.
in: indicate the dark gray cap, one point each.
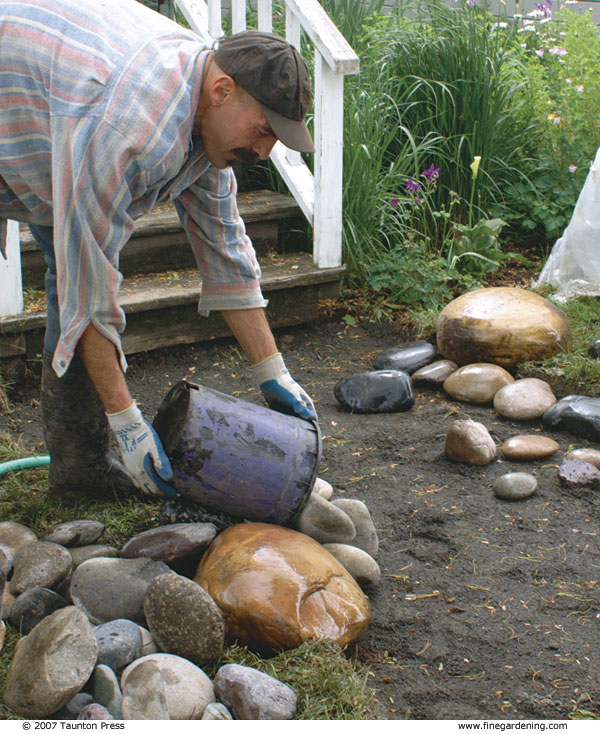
{"type": "Point", "coordinates": [276, 76]}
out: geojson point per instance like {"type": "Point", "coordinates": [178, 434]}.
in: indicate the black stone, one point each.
{"type": "Point", "coordinates": [594, 350]}
{"type": "Point", "coordinates": [383, 391]}
{"type": "Point", "coordinates": [32, 606]}
{"type": "Point", "coordinates": [408, 357]}
{"type": "Point", "coordinates": [578, 414]}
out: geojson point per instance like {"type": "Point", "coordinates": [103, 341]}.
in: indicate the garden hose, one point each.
{"type": "Point", "coordinates": [26, 463]}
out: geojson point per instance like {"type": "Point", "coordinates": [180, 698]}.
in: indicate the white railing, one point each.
{"type": "Point", "coordinates": [318, 193]}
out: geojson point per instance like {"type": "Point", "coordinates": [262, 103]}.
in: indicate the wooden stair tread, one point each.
{"type": "Point", "coordinates": [254, 206]}
{"type": "Point", "coordinates": [152, 291]}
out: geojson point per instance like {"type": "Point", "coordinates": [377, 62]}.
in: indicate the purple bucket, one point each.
{"type": "Point", "coordinates": [236, 457]}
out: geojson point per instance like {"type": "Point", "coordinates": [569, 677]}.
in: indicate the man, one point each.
{"type": "Point", "coordinates": [106, 107]}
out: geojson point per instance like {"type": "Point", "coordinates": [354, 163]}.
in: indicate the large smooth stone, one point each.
{"type": "Point", "coordinates": [119, 643]}
{"type": "Point", "coordinates": [171, 543]}
{"type": "Point", "coordinates": [39, 564]}
{"type": "Point", "coordinates": [32, 606]}
{"type": "Point", "coordinates": [75, 533]}
{"type": "Point", "coordinates": [435, 373]}
{"type": "Point", "coordinates": [277, 587]}
{"type": "Point", "coordinates": [325, 522]}
{"type": "Point", "coordinates": [503, 325]}
{"type": "Point", "coordinates": [360, 565]}
{"type": "Point", "coordinates": [383, 391]}
{"type": "Point", "coordinates": [253, 695]}
{"type": "Point", "coordinates": [408, 357]}
{"type": "Point", "coordinates": [51, 664]}
{"type": "Point", "coordinates": [529, 447]}
{"type": "Point", "coordinates": [524, 400]}
{"type": "Point", "coordinates": [114, 588]}
{"type": "Point", "coordinates": [469, 442]}
{"type": "Point", "coordinates": [477, 383]}
{"type": "Point", "coordinates": [85, 552]}
{"type": "Point", "coordinates": [366, 534]}
{"type": "Point", "coordinates": [106, 690]}
{"type": "Point", "coordinates": [15, 534]}
{"type": "Point", "coordinates": [184, 691]}
{"type": "Point", "coordinates": [183, 619]}
{"type": "Point", "coordinates": [577, 414]}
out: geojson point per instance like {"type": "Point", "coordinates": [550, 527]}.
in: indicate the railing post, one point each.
{"type": "Point", "coordinates": [11, 284]}
{"type": "Point", "coordinates": [265, 16]}
{"type": "Point", "coordinates": [329, 131]}
{"type": "Point", "coordinates": [238, 15]}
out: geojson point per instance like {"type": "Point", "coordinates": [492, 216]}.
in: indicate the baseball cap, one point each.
{"type": "Point", "coordinates": [276, 76]}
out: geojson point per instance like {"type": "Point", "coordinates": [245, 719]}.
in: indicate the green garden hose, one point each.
{"type": "Point", "coordinates": [26, 463]}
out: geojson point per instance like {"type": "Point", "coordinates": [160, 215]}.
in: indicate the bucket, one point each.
{"type": "Point", "coordinates": [236, 457]}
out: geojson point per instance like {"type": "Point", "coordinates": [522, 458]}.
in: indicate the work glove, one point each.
{"type": "Point", "coordinates": [281, 392]}
{"type": "Point", "coordinates": [142, 452]}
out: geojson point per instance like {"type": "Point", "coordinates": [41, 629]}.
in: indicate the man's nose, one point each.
{"type": "Point", "coordinates": [264, 145]}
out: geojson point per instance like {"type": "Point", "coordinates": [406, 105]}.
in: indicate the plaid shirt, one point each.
{"type": "Point", "coordinates": [97, 104]}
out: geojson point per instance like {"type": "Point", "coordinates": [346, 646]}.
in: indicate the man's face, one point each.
{"type": "Point", "coordinates": [236, 130]}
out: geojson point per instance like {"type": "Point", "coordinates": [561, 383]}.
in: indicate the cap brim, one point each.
{"type": "Point", "coordinates": [292, 133]}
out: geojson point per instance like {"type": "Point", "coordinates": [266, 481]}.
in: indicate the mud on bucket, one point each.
{"type": "Point", "coordinates": [236, 457]}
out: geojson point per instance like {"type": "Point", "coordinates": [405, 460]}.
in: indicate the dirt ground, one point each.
{"type": "Point", "coordinates": [488, 609]}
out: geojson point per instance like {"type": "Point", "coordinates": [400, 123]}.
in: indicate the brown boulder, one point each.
{"type": "Point", "coordinates": [277, 587]}
{"type": "Point", "coordinates": [505, 326]}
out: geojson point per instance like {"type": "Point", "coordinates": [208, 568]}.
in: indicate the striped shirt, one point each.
{"type": "Point", "coordinates": [97, 104]}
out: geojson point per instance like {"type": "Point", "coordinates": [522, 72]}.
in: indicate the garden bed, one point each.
{"type": "Point", "coordinates": [487, 608]}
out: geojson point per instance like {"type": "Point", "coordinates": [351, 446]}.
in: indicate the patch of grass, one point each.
{"type": "Point", "coordinates": [328, 685]}
{"type": "Point", "coordinates": [574, 367]}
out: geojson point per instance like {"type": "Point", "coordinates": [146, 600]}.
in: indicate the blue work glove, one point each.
{"type": "Point", "coordinates": [142, 452]}
{"type": "Point", "coordinates": [281, 392]}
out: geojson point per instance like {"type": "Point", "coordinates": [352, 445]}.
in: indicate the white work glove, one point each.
{"type": "Point", "coordinates": [142, 451]}
{"type": "Point", "coordinates": [281, 392]}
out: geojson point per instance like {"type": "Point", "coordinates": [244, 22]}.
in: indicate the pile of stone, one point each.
{"type": "Point", "coordinates": [486, 332]}
{"type": "Point", "coordinates": [127, 633]}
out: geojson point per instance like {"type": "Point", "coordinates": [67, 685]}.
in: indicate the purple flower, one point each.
{"type": "Point", "coordinates": [394, 202]}
{"type": "Point", "coordinates": [412, 186]}
{"type": "Point", "coordinates": [431, 173]}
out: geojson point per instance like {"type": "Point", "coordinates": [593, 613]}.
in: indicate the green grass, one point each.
{"type": "Point", "coordinates": [329, 685]}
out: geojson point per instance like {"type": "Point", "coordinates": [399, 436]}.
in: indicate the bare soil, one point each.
{"type": "Point", "coordinates": [487, 609]}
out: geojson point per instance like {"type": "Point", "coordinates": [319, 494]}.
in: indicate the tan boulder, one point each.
{"type": "Point", "coordinates": [277, 587]}
{"type": "Point", "coordinates": [505, 326]}
{"type": "Point", "coordinates": [529, 447]}
{"type": "Point", "coordinates": [477, 383]}
{"type": "Point", "coordinates": [470, 442]}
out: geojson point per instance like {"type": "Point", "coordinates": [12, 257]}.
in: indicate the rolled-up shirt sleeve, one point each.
{"type": "Point", "coordinates": [94, 174]}
{"type": "Point", "coordinates": [224, 253]}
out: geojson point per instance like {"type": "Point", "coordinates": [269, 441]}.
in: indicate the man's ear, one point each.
{"type": "Point", "coordinates": [221, 89]}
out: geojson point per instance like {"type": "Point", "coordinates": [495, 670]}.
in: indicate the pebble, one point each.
{"type": "Point", "coordinates": [576, 474]}
{"type": "Point", "coordinates": [6, 562]}
{"type": "Point", "coordinates": [477, 383]}
{"type": "Point", "coordinates": [592, 456]}
{"type": "Point", "coordinates": [515, 486]}
{"type": "Point", "coordinates": [95, 712]}
{"type": "Point", "coordinates": [577, 414]}
{"type": "Point", "coordinates": [8, 601]}
{"type": "Point", "coordinates": [14, 535]}
{"type": "Point", "coordinates": [148, 644]}
{"type": "Point", "coordinates": [39, 564]}
{"type": "Point", "coordinates": [75, 706]}
{"type": "Point", "coordinates": [85, 552]}
{"type": "Point", "coordinates": [217, 712]}
{"type": "Point", "coordinates": [323, 521]}
{"type": "Point", "coordinates": [172, 542]}
{"type": "Point", "coordinates": [169, 600]}
{"type": "Point", "coordinates": [114, 588]}
{"type": "Point", "coordinates": [529, 447]}
{"type": "Point", "coordinates": [119, 643]}
{"type": "Point", "coordinates": [252, 695]}
{"type": "Point", "coordinates": [360, 565]}
{"type": "Point", "coordinates": [435, 373]}
{"type": "Point", "coordinates": [75, 533]}
{"type": "Point", "coordinates": [106, 691]}
{"type": "Point", "coordinates": [322, 488]}
{"type": "Point", "coordinates": [384, 391]}
{"type": "Point", "coordinates": [366, 535]}
{"type": "Point", "coordinates": [51, 664]}
{"type": "Point", "coordinates": [32, 606]}
{"type": "Point", "coordinates": [525, 399]}
{"type": "Point", "coordinates": [408, 357]}
{"type": "Point", "coordinates": [469, 442]}
{"type": "Point", "coordinates": [186, 688]}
